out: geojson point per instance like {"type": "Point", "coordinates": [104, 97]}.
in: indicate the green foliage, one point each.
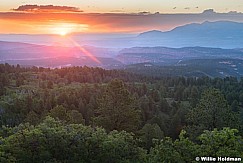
{"type": "Point", "coordinates": [216, 143]}
{"type": "Point", "coordinates": [153, 108]}
{"type": "Point", "coordinates": [32, 118]}
{"type": "Point", "coordinates": [74, 117]}
{"type": "Point", "coordinates": [69, 116]}
{"type": "Point", "coordinates": [164, 151]}
{"type": "Point", "coordinates": [51, 141]}
{"type": "Point", "coordinates": [221, 143]}
{"type": "Point", "coordinates": [150, 132]}
{"type": "Point", "coordinates": [188, 150]}
{"type": "Point", "coordinates": [117, 109]}
{"type": "Point", "coordinates": [59, 112]}
{"type": "Point", "coordinates": [211, 112]}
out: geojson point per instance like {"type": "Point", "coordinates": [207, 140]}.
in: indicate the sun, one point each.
{"type": "Point", "coordinates": [64, 29]}
{"type": "Point", "coordinates": [63, 33]}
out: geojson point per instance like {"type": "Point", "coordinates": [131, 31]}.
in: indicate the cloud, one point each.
{"type": "Point", "coordinates": [209, 11]}
{"type": "Point", "coordinates": [47, 8]}
{"type": "Point", "coordinates": [111, 22]}
{"type": "Point", "coordinates": [144, 13]}
{"type": "Point", "coordinates": [117, 11]}
{"type": "Point", "coordinates": [234, 12]}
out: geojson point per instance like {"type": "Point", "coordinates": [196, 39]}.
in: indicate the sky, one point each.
{"type": "Point", "coordinates": [163, 6]}
{"type": "Point", "coordinates": [111, 16]}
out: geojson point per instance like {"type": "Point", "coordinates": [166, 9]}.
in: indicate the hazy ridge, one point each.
{"type": "Point", "coordinates": [219, 42]}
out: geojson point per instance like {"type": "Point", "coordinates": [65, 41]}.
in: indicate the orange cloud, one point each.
{"type": "Point", "coordinates": [47, 8]}
{"type": "Point", "coordinates": [41, 22]}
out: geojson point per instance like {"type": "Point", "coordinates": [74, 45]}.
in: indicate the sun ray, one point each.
{"type": "Point", "coordinates": [87, 53]}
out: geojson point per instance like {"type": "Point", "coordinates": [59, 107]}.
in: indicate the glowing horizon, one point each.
{"type": "Point", "coordinates": [127, 16]}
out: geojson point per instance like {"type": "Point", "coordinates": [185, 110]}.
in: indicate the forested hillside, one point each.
{"type": "Point", "coordinates": [83, 114]}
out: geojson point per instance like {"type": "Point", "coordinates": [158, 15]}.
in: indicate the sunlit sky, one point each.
{"type": "Point", "coordinates": [163, 6]}
{"type": "Point", "coordinates": [127, 16]}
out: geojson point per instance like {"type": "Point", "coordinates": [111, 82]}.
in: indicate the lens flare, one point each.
{"type": "Point", "coordinates": [84, 51]}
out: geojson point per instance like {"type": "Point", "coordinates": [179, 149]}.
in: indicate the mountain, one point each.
{"type": "Point", "coordinates": [55, 56]}
{"type": "Point", "coordinates": [191, 68]}
{"type": "Point", "coordinates": [186, 61]}
{"type": "Point", "coordinates": [64, 61]}
{"type": "Point", "coordinates": [19, 51]}
{"type": "Point", "coordinates": [224, 34]}
{"type": "Point", "coordinates": [219, 34]}
{"type": "Point", "coordinates": [97, 40]}
{"type": "Point", "coordinates": [167, 56]}
{"type": "Point", "coordinates": [155, 61]}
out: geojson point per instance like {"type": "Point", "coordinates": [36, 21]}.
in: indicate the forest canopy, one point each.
{"type": "Point", "coordinates": [83, 114]}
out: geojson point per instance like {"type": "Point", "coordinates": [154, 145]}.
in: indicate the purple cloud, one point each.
{"type": "Point", "coordinates": [47, 8]}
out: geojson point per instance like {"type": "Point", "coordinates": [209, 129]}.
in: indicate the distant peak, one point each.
{"type": "Point", "coordinates": [213, 22]}
{"type": "Point", "coordinates": [156, 31]}
{"type": "Point", "coordinates": [153, 32]}
{"type": "Point", "coordinates": [206, 22]}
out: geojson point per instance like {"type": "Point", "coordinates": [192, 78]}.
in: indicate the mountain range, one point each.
{"type": "Point", "coordinates": [55, 56]}
{"type": "Point", "coordinates": [216, 47]}
{"type": "Point", "coordinates": [165, 55]}
{"type": "Point", "coordinates": [223, 34]}
{"type": "Point", "coordinates": [219, 34]}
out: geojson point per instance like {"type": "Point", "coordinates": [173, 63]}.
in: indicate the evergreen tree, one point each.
{"type": "Point", "coordinates": [211, 112]}
{"type": "Point", "coordinates": [117, 109]}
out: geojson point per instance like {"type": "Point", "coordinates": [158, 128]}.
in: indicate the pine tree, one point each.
{"type": "Point", "coordinates": [211, 112]}
{"type": "Point", "coordinates": [117, 109]}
